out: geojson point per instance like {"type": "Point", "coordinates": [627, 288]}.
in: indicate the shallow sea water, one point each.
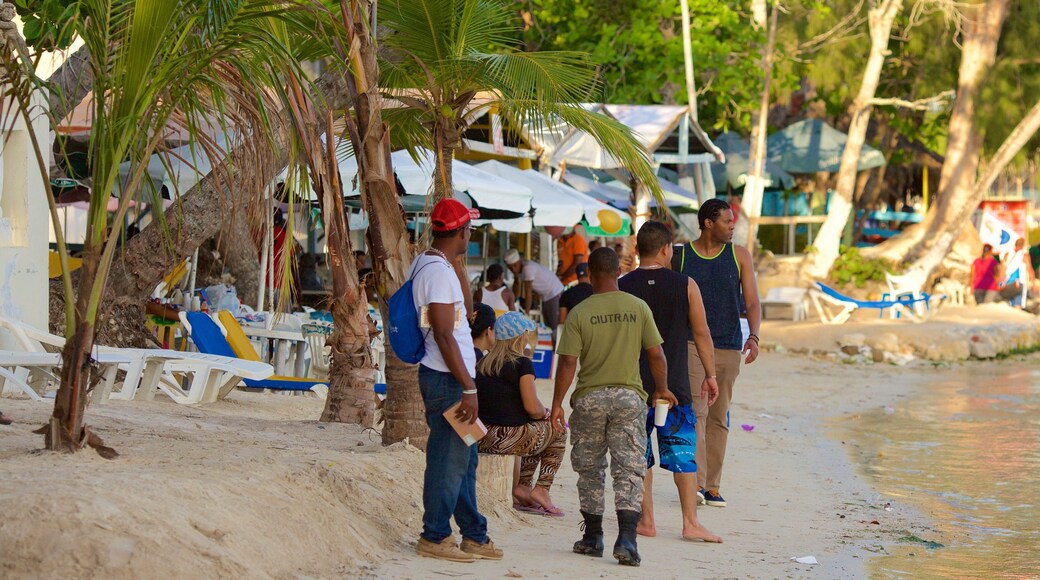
{"type": "Point", "coordinates": [966, 453]}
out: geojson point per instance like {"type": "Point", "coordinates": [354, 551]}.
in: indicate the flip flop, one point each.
{"type": "Point", "coordinates": [553, 512]}
{"type": "Point", "coordinates": [531, 509]}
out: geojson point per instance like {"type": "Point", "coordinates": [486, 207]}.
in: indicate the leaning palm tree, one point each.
{"type": "Point", "coordinates": [155, 63]}
{"type": "Point", "coordinates": [437, 56]}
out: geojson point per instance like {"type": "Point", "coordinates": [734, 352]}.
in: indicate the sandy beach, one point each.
{"type": "Point", "coordinates": [254, 486]}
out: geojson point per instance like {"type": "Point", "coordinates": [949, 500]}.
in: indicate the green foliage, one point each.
{"type": "Point", "coordinates": [45, 22]}
{"type": "Point", "coordinates": [637, 45]}
{"type": "Point", "coordinates": [852, 267]}
{"type": "Point", "coordinates": [437, 56]}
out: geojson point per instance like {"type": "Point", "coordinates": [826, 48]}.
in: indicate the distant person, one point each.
{"type": "Point", "coordinates": [627, 262]}
{"type": "Point", "coordinates": [1034, 257]}
{"type": "Point", "coordinates": [360, 260]}
{"type": "Point", "coordinates": [606, 333]}
{"type": "Point", "coordinates": [985, 273]}
{"type": "Point", "coordinates": [1019, 275]}
{"type": "Point", "coordinates": [725, 275]}
{"type": "Point", "coordinates": [734, 206]}
{"type": "Point", "coordinates": [517, 422]}
{"type": "Point", "coordinates": [572, 250]}
{"type": "Point", "coordinates": [574, 295]}
{"type": "Point", "coordinates": [308, 266]}
{"type": "Point", "coordinates": [440, 288]}
{"type": "Point", "coordinates": [4, 419]}
{"type": "Point", "coordinates": [534, 277]}
{"type": "Point", "coordinates": [496, 294]}
{"type": "Point", "coordinates": [678, 311]}
{"type": "Point", "coordinates": [593, 245]}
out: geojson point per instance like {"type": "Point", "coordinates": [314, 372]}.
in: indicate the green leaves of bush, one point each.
{"type": "Point", "coordinates": [852, 267]}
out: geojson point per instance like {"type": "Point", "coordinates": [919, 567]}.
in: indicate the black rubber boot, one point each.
{"type": "Point", "coordinates": [591, 543]}
{"type": "Point", "coordinates": [625, 547]}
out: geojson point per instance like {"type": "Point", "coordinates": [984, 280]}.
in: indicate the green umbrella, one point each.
{"type": "Point", "coordinates": [738, 166]}
{"type": "Point", "coordinates": [812, 146]}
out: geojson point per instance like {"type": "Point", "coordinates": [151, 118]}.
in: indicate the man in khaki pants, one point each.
{"type": "Point", "coordinates": [726, 278]}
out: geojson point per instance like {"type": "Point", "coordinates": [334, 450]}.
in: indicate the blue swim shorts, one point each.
{"type": "Point", "coordinates": [677, 440]}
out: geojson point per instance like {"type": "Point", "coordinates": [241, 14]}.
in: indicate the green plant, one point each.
{"type": "Point", "coordinates": [852, 267]}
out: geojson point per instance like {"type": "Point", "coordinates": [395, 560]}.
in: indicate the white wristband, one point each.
{"type": "Point", "coordinates": [469, 392]}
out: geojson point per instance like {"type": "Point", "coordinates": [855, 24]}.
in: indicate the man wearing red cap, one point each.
{"type": "Point", "coordinates": [446, 375]}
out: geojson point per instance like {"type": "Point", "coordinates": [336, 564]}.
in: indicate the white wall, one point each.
{"type": "Point", "coordinates": [23, 226]}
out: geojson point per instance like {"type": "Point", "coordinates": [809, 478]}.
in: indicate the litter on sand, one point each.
{"type": "Point", "coordinates": [747, 427]}
{"type": "Point", "coordinates": [806, 559]}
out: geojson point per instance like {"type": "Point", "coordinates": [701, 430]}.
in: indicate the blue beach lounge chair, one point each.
{"type": "Point", "coordinates": [836, 308]}
{"type": "Point", "coordinates": [209, 338]}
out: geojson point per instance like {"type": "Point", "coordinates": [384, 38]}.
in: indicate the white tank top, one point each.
{"type": "Point", "coordinates": [493, 298]}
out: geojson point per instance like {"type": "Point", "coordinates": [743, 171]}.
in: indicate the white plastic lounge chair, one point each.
{"type": "Point", "coordinates": [48, 364]}
{"type": "Point", "coordinates": [909, 287]}
{"type": "Point", "coordinates": [150, 369]}
{"type": "Point", "coordinates": [316, 334]}
{"type": "Point", "coordinates": [785, 297]}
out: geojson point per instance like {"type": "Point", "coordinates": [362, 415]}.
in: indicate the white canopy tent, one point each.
{"type": "Point", "coordinates": [554, 203]}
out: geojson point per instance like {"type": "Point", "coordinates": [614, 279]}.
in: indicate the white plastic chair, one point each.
{"type": "Point", "coordinates": [317, 333]}
{"type": "Point", "coordinates": [786, 297]}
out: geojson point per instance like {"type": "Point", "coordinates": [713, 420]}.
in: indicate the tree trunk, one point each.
{"type": "Point", "coordinates": [754, 189]}
{"type": "Point", "coordinates": [444, 154]}
{"type": "Point", "coordinates": [817, 264]}
{"type": "Point", "coordinates": [241, 259]}
{"type": "Point", "coordinates": [403, 410]}
{"type": "Point", "coordinates": [70, 83]}
{"type": "Point", "coordinates": [982, 28]}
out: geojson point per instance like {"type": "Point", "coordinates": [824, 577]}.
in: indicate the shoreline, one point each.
{"type": "Point", "coordinates": [254, 486]}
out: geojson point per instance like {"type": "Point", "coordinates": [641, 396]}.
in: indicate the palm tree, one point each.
{"type": "Point", "coordinates": [153, 63]}
{"type": "Point", "coordinates": [436, 57]}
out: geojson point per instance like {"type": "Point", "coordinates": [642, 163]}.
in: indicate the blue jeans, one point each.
{"type": "Point", "coordinates": [450, 482]}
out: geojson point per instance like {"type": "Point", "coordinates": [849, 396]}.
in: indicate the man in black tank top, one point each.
{"type": "Point", "coordinates": [676, 304]}
{"type": "Point", "coordinates": [725, 275]}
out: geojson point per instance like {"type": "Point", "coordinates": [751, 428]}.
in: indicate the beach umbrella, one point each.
{"type": "Point", "coordinates": [738, 166]}
{"type": "Point", "coordinates": [812, 146]}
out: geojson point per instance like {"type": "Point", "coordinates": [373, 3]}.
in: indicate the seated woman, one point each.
{"type": "Point", "coordinates": [516, 420]}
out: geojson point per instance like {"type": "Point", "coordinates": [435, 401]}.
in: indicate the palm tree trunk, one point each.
{"type": "Point", "coordinates": [755, 187]}
{"type": "Point", "coordinates": [818, 264]}
{"type": "Point", "coordinates": [241, 259]}
{"type": "Point", "coordinates": [388, 243]}
{"type": "Point", "coordinates": [444, 153]}
{"type": "Point", "coordinates": [70, 83]}
{"type": "Point", "coordinates": [957, 178]}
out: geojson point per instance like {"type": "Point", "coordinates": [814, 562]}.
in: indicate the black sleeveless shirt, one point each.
{"type": "Point", "coordinates": [718, 278]}
{"type": "Point", "coordinates": [665, 292]}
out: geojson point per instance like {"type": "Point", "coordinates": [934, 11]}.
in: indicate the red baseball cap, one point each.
{"type": "Point", "coordinates": [449, 214]}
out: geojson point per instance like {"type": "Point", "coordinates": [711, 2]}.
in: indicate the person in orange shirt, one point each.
{"type": "Point", "coordinates": [572, 250]}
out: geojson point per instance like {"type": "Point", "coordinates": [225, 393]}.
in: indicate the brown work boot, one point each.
{"type": "Point", "coordinates": [486, 551]}
{"type": "Point", "coordinates": [445, 550]}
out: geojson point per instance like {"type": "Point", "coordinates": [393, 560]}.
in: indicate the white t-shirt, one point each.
{"type": "Point", "coordinates": [543, 280]}
{"type": "Point", "coordinates": [436, 283]}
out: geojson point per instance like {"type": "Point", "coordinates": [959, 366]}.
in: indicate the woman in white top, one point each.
{"type": "Point", "coordinates": [496, 294]}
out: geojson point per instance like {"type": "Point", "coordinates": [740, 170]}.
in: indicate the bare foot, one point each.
{"type": "Point", "coordinates": [648, 530]}
{"type": "Point", "coordinates": [522, 496]}
{"type": "Point", "coordinates": [540, 496]}
{"type": "Point", "coordinates": [700, 533]}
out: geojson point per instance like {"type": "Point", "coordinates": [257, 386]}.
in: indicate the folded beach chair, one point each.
{"type": "Point", "coordinates": [209, 337]}
{"type": "Point", "coordinates": [148, 370]}
{"type": "Point", "coordinates": [842, 306]}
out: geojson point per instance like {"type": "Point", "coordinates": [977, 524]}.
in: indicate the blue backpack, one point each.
{"type": "Point", "coordinates": [406, 338]}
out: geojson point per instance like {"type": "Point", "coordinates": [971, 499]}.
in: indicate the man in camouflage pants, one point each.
{"type": "Point", "coordinates": [607, 332]}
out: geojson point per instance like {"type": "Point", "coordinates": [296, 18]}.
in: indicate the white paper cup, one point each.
{"type": "Point", "coordinates": [660, 412]}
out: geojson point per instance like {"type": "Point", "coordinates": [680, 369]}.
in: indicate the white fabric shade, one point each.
{"type": "Point", "coordinates": [554, 203]}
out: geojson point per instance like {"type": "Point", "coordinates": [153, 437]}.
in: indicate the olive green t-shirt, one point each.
{"type": "Point", "coordinates": [607, 332]}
